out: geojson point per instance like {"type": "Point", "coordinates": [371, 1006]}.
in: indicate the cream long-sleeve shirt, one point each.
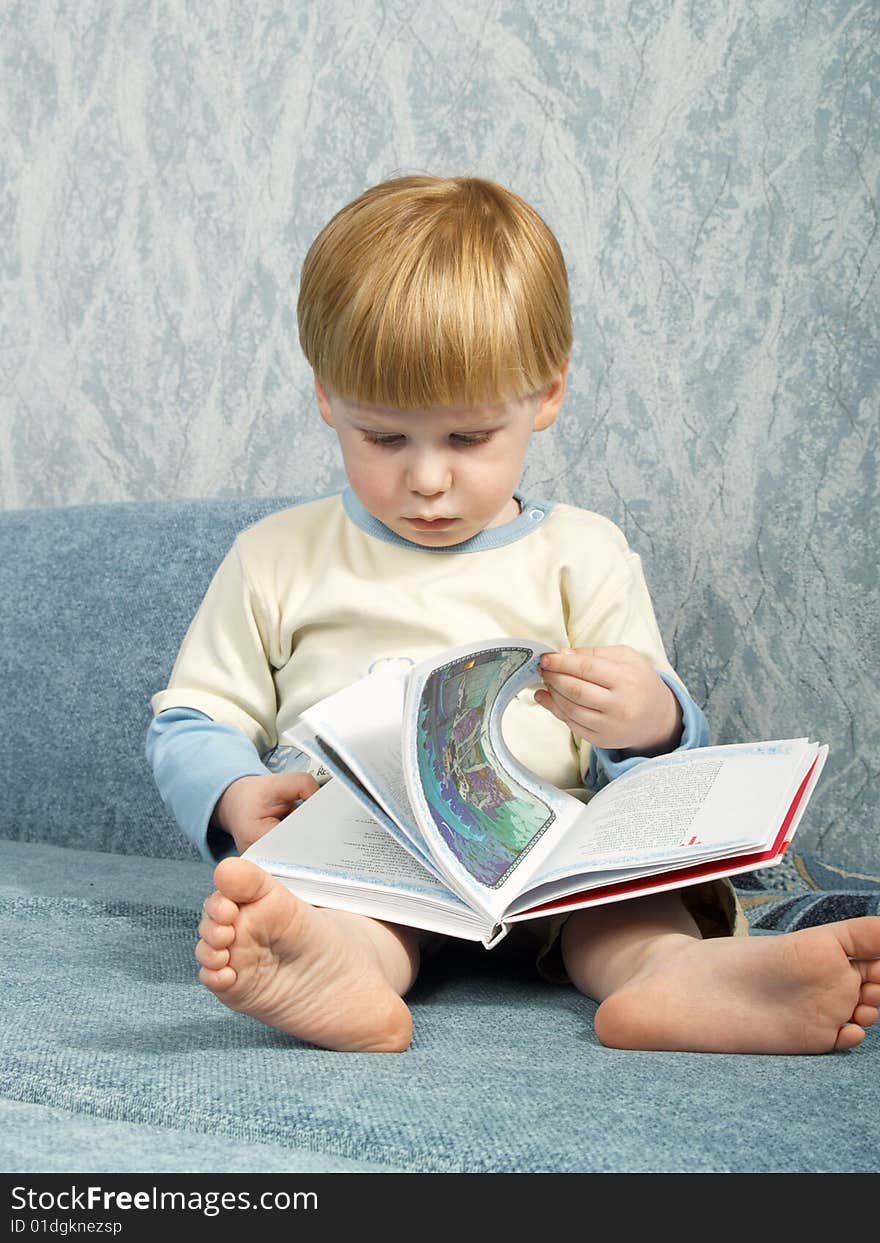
{"type": "Point", "coordinates": [312, 597]}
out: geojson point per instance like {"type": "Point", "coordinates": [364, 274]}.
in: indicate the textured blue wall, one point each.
{"type": "Point", "coordinates": [710, 171]}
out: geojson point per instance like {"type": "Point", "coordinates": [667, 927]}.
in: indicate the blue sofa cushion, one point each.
{"type": "Point", "coordinates": [94, 603]}
{"type": "Point", "coordinates": [104, 1020]}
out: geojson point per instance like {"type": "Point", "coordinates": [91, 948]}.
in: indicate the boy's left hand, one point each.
{"type": "Point", "coordinates": [613, 697]}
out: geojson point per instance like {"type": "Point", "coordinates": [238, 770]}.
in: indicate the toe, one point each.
{"type": "Point", "coordinates": [860, 937]}
{"type": "Point", "coordinates": [219, 908]}
{"type": "Point", "coordinates": [849, 1036]}
{"type": "Point", "coordinates": [211, 958]}
{"type": "Point", "coordinates": [871, 971]}
{"type": "Point", "coordinates": [241, 881]}
{"type": "Point", "coordinates": [865, 1016]}
{"type": "Point", "coordinates": [217, 981]}
{"type": "Point", "coordinates": [219, 936]}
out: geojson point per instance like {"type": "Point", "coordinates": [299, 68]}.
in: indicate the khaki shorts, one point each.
{"type": "Point", "coordinates": [713, 906]}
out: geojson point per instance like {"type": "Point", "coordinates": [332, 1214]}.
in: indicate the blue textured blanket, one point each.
{"type": "Point", "coordinates": [804, 891]}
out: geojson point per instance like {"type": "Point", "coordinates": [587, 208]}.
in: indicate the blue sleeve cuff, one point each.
{"type": "Point", "coordinates": [606, 765]}
{"type": "Point", "coordinates": [194, 759]}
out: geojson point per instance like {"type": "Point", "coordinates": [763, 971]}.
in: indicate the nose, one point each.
{"type": "Point", "coordinates": [428, 473]}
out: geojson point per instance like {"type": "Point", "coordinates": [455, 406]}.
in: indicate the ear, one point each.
{"type": "Point", "coordinates": [323, 403]}
{"type": "Point", "coordinates": [550, 400]}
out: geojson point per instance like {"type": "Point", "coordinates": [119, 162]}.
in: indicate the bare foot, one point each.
{"type": "Point", "coordinates": [811, 991]}
{"type": "Point", "coordinates": [313, 973]}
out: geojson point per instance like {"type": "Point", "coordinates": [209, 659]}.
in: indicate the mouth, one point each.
{"type": "Point", "coordinates": [431, 524]}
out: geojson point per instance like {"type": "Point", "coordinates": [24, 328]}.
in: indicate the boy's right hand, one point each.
{"type": "Point", "coordinates": [251, 806]}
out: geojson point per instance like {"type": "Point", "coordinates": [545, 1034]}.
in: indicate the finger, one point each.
{"type": "Point", "coordinates": [307, 785]}
{"type": "Point", "coordinates": [258, 830]}
{"type": "Point", "coordinates": [545, 699]}
{"type": "Point", "coordinates": [583, 720]}
{"type": "Point", "coordinates": [578, 691]}
{"type": "Point", "coordinates": [588, 663]}
{"type": "Point", "coordinates": [289, 788]}
{"type": "Point", "coordinates": [586, 720]}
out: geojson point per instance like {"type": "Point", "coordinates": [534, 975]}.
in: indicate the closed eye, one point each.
{"type": "Point", "coordinates": [471, 438]}
{"type": "Point", "coordinates": [462, 439]}
{"type": "Point", "coordinates": [374, 438]}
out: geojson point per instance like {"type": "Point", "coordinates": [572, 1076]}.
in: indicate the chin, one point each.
{"type": "Point", "coordinates": [437, 539]}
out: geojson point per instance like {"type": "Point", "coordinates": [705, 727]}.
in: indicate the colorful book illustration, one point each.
{"type": "Point", "coordinates": [486, 817]}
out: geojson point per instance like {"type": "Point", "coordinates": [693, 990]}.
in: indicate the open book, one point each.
{"type": "Point", "coordinates": [429, 820]}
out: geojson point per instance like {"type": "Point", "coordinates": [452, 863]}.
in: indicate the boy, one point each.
{"type": "Point", "coordinates": [435, 315]}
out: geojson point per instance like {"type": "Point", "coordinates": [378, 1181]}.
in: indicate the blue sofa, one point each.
{"type": "Point", "coordinates": [114, 1058]}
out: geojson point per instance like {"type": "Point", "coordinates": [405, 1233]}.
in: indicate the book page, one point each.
{"type": "Point", "coordinates": [330, 837]}
{"type": "Point", "coordinates": [361, 726]}
{"type": "Point", "coordinates": [302, 737]}
{"type": "Point", "coordinates": [587, 889]}
{"type": "Point", "coordinates": [686, 806]}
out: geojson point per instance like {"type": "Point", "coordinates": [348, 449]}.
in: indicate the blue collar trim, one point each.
{"type": "Point", "coordinates": [532, 514]}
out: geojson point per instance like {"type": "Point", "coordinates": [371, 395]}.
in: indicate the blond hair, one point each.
{"type": "Point", "coordinates": [431, 291]}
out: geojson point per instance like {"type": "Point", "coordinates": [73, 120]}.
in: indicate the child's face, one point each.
{"type": "Point", "coordinates": [441, 475]}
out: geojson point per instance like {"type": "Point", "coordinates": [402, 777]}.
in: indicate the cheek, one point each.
{"type": "Point", "coordinates": [367, 476]}
{"type": "Point", "coordinates": [499, 473]}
